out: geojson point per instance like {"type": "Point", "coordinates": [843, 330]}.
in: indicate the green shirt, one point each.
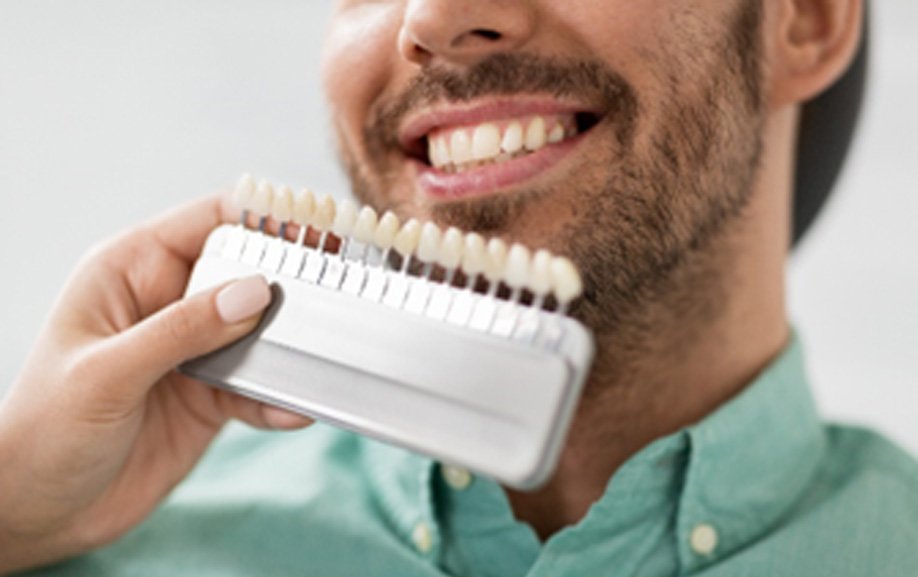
{"type": "Point", "coordinates": [759, 487]}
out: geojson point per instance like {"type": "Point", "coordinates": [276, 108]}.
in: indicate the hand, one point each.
{"type": "Point", "coordinates": [99, 427]}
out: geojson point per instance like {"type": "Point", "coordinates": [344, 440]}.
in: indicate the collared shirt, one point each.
{"type": "Point", "coordinates": [759, 487]}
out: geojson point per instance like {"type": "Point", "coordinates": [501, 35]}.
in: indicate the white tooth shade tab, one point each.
{"type": "Point", "coordinates": [282, 210]}
{"type": "Point", "coordinates": [513, 138]}
{"type": "Point", "coordinates": [495, 259]}
{"type": "Point", "coordinates": [244, 194]}
{"type": "Point", "coordinates": [540, 273]}
{"type": "Point", "coordinates": [304, 207]}
{"type": "Point", "coordinates": [386, 230]}
{"type": "Point", "coordinates": [485, 141]}
{"type": "Point", "coordinates": [429, 243]}
{"type": "Point", "coordinates": [473, 254]}
{"type": "Point", "coordinates": [324, 215]}
{"type": "Point", "coordinates": [451, 248]}
{"type": "Point", "coordinates": [406, 241]}
{"type": "Point", "coordinates": [460, 147]}
{"type": "Point", "coordinates": [535, 134]}
{"type": "Point", "coordinates": [519, 262]}
{"type": "Point", "coordinates": [565, 280]}
{"type": "Point", "coordinates": [345, 217]}
{"type": "Point", "coordinates": [264, 199]}
{"type": "Point", "coordinates": [365, 227]}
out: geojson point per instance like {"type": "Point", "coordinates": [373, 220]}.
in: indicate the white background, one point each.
{"type": "Point", "coordinates": [111, 110]}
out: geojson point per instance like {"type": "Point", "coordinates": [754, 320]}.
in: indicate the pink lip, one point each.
{"type": "Point", "coordinates": [492, 178]}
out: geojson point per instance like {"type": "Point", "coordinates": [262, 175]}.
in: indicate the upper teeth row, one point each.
{"type": "Point", "coordinates": [495, 141]}
{"type": "Point", "coordinates": [515, 265]}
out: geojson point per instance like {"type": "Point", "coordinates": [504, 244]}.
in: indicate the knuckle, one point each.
{"type": "Point", "coordinates": [181, 322]}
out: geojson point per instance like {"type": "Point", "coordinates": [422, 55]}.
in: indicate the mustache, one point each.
{"type": "Point", "coordinates": [589, 81]}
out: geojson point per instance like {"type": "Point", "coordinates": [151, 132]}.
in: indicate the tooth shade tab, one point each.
{"type": "Point", "coordinates": [565, 280]}
{"type": "Point", "coordinates": [386, 230]}
{"type": "Point", "coordinates": [517, 274]}
{"type": "Point", "coordinates": [365, 227]}
{"type": "Point", "coordinates": [325, 213]}
{"type": "Point", "coordinates": [406, 241]}
{"type": "Point", "coordinates": [304, 207]}
{"type": "Point", "coordinates": [264, 199]}
{"type": "Point", "coordinates": [495, 259]}
{"type": "Point", "coordinates": [451, 248]}
{"type": "Point", "coordinates": [540, 273]}
{"type": "Point", "coordinates": [244, 193]}
{"type": "Point", "coordinates": [345, 217]}
{"type": "Point", "coordinates": [473, 254]}
{"type": "Point", "coordinates": [282, 210]}
{"type": "Point", "coordinates": [497, 140]}
{"type": "Point", "coordinates": [429, 243]}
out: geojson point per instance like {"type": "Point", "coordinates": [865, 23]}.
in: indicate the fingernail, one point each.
{"type": "Point", "coordinates": [243, 299]}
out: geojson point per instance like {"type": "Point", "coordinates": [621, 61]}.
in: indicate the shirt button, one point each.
{"type": "Point", "coordinates": [423, 540]}
{"type": "Point", "coordinates": [456, 477]}
{"type": "Point", "coordinates": [703, 539]}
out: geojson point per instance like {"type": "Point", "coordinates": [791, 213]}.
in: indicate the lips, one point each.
{"type": "Point", "coordinates": [463, 151]}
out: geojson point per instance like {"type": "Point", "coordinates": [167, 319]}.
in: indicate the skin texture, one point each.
{"type": "Point", "coordinates": [675, 205]}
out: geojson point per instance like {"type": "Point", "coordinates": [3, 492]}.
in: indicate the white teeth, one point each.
{"type": "Point", "coordinates": [406, 241]}
{"type": "Point", "coordinates": [565, 280]}
{"type": "Point", "coordinates": [438, 151]}
{"type": "Point", "coordinates": [535, 134]}
{"type": "Point", "coordinates": [365, 227]}
{"type": "Point", "coordinates": [460, 147]}
{"type": "Point", "coordinates": [451, 248]}
{"type": "Point", "coordinates": [264, 199]}
{"type": "Point", "coordinates": [540, 273]}
{"type": "Point", "coordinates": [304, 207]}
{"type": "Point", "coordinates": [473, 254]}
{"type": "Point", "coordinates": [324, 215]}
{"type": "Point", "coordinates": [386, 230]}
{"type": "Point", "coordinates": [345, 217]}
{"type": "Point", "coordinates": [495, 258]}
{"type": "Point", "coordinates": [485, 142]}
{"type": "Point", "coordinates": [556, 134]}
{"type": "Point", "coordinates": [429, 245]}
{"type": "Point", "coordinates": [517, 274]}
{"type": "Point", "coordinates": [513, 138]}
{"type": "Point", "coordinates": [244, 194]}
{"type": "Point", "coordinates": [282, 209]}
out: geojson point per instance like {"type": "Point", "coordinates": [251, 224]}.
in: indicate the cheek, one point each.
{"type": "Point", "coordinates": [357, 62]}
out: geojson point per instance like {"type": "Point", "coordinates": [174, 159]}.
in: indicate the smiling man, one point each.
{"type": "Point", "coordinates": [652, 141]}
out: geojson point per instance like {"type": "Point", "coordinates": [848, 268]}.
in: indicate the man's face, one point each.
{"type": "Point", "coordinates": [623, 134]}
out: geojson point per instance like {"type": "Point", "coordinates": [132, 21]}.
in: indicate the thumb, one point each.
{"type": "Point", "coordinates": [186, 329]}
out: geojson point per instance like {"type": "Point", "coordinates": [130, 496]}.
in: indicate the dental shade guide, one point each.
{"type": "Point", "coordinates": [436, 366]}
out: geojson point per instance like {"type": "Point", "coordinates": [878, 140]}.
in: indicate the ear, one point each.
{"type": "Point", "coordinates": [813, 43]}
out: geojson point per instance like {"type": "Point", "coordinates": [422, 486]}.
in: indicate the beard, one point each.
{"type": "Point", "coordinates": [649, 198]}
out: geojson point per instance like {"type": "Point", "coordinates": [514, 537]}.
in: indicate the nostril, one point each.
{"type": "Point", "coordinates": [487, 34]}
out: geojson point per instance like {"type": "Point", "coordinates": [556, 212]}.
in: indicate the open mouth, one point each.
{"type": "Point", "coordinates": [454, 150]}
{"type": "Point", "coordinates": [477, 151]}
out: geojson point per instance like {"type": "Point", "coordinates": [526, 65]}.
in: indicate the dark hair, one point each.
{"type": "Point", "coordinates": [827, 128]}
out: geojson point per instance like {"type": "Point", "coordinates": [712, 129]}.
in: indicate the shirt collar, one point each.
{"type": "Point", "coordinates": [751, 459]}
{"type": "Point", "coordinates": [737, 472]}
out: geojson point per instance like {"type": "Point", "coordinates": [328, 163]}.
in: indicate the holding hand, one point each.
{"type": "Point", "coordinates": [99, 426]}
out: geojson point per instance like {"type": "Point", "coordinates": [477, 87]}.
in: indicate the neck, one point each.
{"type": "Point", "coordinates": [690, 359]}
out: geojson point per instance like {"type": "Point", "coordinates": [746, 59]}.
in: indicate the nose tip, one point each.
{"type": "Point", "coordinates": [463, 31]}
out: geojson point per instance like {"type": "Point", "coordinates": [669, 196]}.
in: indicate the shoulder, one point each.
{"type": "Point", "coordinates": [860, 514]}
